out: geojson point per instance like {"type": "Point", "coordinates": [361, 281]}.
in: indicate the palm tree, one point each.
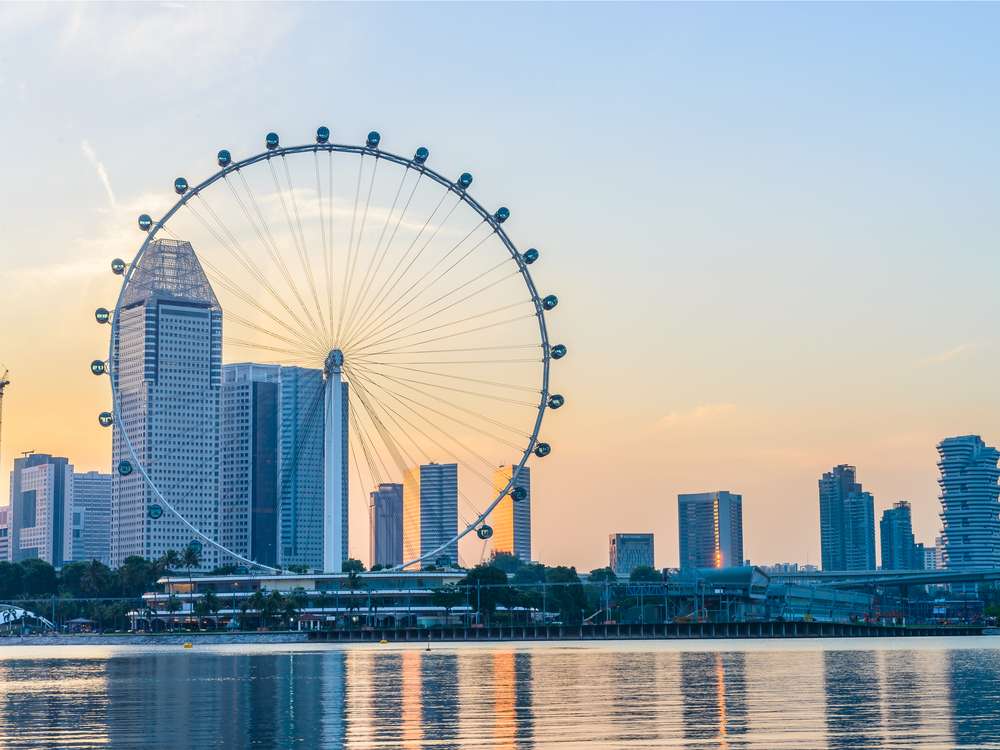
{"type": "Point", "coordinates": [173, 605]}
{"type": "Point", "coordinates": [191, 559]}
{"type": "Point", "coordinates": [257, 604]}
{"type": "Point", "coordinates": [212, 605]}
{"type": "Point", "coordinates": [273, 605]}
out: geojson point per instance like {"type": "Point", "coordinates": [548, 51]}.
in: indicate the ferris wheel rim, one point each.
{"type": "Point", "coordinates": [496, 225]}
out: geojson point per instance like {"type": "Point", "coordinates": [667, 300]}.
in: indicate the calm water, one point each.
{"type": "Point", "coordinates": [913, 693]}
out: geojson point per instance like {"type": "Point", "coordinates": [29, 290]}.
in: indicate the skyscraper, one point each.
{"type": "Point", "coordinates": [859, 531]}
{"type": "Point", "coordinates": [899, 550]}
{"type": "Point", "coordinates": [626, 552]}
{"type": "Point", "coordinates": [91, 517]}
{"type": "Point", "coordinates": [969, 506]}
{"type": "Point", "coordinates": [430, 512]}
{"type": "Point", "coordinates": [511, 519]}
{"type": "Point", "coordinates": [5, 533]}
{"type": "Point", "coordinates": [168, 367]}
{"type": "Point", "coordinates": [41, 501]}
{"type": "Point", "coordinates": [301, 468]}
{"type": "Point", "coordinates": [386, 525]}
{"type": "Point", "coordinates": [847, 521]}
{"type": "Point", "coordinates": [711, 529]}
{"type": "Point", "coordinates": [249, 453]}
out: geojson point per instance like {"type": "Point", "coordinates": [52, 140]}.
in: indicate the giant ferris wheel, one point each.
{"type": "Point", "coordinates": [394, 281]}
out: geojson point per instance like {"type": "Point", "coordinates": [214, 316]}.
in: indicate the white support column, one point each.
{"type": "Point", "coordinates": [333, 464]}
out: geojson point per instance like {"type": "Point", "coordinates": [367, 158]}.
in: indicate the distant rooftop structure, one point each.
{"type": "Point", "coordinates": [169, 269]}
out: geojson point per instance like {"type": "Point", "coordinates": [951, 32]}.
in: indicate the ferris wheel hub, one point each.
{"type": "Point", "coordinates": [334, 362]}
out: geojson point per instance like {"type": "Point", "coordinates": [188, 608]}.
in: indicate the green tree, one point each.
{"type": "Point", "coordinates": [350, 565]}
{"type": "Point", "coordinates": [274, 605]}
{"type": "Point", "coordinates": [38, 578]}
{"type": "Point", "coordinates": [11, 584]}
{"type": "Point", "coordinates": [171, 560]}
{"type": "Point", "coordinates": [602, 575]}
{"type": "Point", "coordinates": [566, 593]}
{"type": "Point", "coordinates": [448, 597]}
{"type": "Point", "coordinates": [488, 587]}
{"type": "Point", "coordinates": [173, 606]}
{"type": "Point", "coordinates": [507, 562]}
{"type": "Point", "coordinates": [645, 574]}
{"type": "Point", "coordinates": [137, 575]}
{"type": "Point", "coordinates": [257, 601]}
{"type": "Point", "coordinates": [97, 579]}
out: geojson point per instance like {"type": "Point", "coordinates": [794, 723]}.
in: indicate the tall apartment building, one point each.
{"type": "Point", "coordinates": [847, 521]}
{"type": "Point", "coordinates": [970, 511]}
{"type": "Point", "coordinates": [430, 512]}
{"type": "Point", "coordinates": [248, 452]}
{"type": "Point", "coordinates": [511, 519]}
{"type": "Point", "coordinates": [626, 552]}
{"type": "Point", "coordinates": [168, 367]}
{"type": "Point", "coordinates": [90, 524]}
{"type": "Point", "coordinates": [41, 501]}
{"type": "Point", "coordinates": [386, 525]}
{"type": "Point", "coordinates": [301, 468]}
{"type": "Point", "coordinates": [899, 549]}
{"type": "Point", "coordinates": [711, 529]}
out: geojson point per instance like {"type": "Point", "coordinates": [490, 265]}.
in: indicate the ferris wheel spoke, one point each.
{"type": "Point", "coordinates": [449, 324]}
{"type": "Point", "coordinates": [446, 451]}
{"type": "Point", "coordinates": [368, 451]}
{"type": "Point", "coordinates": [452, 389]}
{"type": "Point", "coordinates": [350, 247]}
{"type": "Point", "coordinates": [405, 261]}
{"type": "Point", "coordinates": [237, 252]}
{"type": "Point", "coordinates": [313, 421]}
{"type": "Point", "coordinates": [266, 239]}
{"type": "Point", "coordinates": [407, 321]}
{"type": "Point", "coordinates": [456, 420]}
{"type": "Point", "coordinates": [518, 431]}
{"type": "Point", "coordinates": [395, 308]}
{"type": "Point", "coordinates": [298, 236]}
{"type": "Point", "coordinates": [232, 317]}
{"type": "Point", "coordinates": [378, 254]}
{"type": "Point", "coordinates": [403, 350]}
{"type": "Point", "coordinates": [357, 249]}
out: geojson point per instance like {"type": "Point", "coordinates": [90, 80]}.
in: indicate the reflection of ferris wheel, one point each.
{"type": "Point", "coordinates": [378, 272]}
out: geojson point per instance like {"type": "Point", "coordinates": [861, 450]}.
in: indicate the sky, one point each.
{"type": "Point", "coordinates": [771, 227]}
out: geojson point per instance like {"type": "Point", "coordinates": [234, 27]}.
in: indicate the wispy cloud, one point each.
{"type": "Point", "coordinates": [948, 356]}
{"type": "Point", "coordinates": [700, 413]}
{"type": "Point", "coordinates": [102, 173]}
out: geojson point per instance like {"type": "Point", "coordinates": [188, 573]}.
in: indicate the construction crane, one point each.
{"type": "Point", "coordinates": [4, 382]}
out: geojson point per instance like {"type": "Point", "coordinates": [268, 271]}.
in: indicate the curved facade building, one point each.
{"type": "Point", "coordinates": [970, 511]}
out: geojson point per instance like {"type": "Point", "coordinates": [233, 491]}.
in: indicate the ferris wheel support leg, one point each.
{"type": "Point", "coordinates": [334, 464]}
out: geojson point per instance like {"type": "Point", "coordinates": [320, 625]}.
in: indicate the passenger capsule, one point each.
{"type": "Point", "coordinates": [556, 400]}
{"type": "Point", "coordinates": [106, 419]}
{"type": "Point", "coordinates": [124, 468]}
{"type": "Point", "coordinates": [224, 158]}
{"type": "Point", "coordinates": [97, 367]}
{"type": "Point", "coordinates": [549, 302]}
{"type": "Point", "coordinates": [464, 180]}
{"type": "Point", "coordinates": [421, 156]}
{"type": "Point", "coordinates": [542, 450]}
{"type": "Point", "coordinates": [322, 134]}
{"type": "Point", "coordinates": [558, 351]}
{"type": "Point", "coordinates": [154, 511]}
{"type": "Point", "coordinates": [530, 256]}
{"type": "Point", "coordinates": [271, 141]}
{"type": "Point", "coordinates": [101, 315]}
{"type": "Point", "coordinates": [373, 139]}
{"type": "Point", "coordinates": [180, 186]}
{"type": "Point", "coordinates": [145, 222]}
{"type": "Point", "coordinates": [118, 266]}
{"type": "Point", "coordinates": [484, 532]}
{"type": "Point", "coordinates": [502, 214]}
{"type": "Point", "coordinates": [519, 494]}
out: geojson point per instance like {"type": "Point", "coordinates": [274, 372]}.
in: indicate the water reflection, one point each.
{"type": "Point", "coordinates": [501, 697]}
